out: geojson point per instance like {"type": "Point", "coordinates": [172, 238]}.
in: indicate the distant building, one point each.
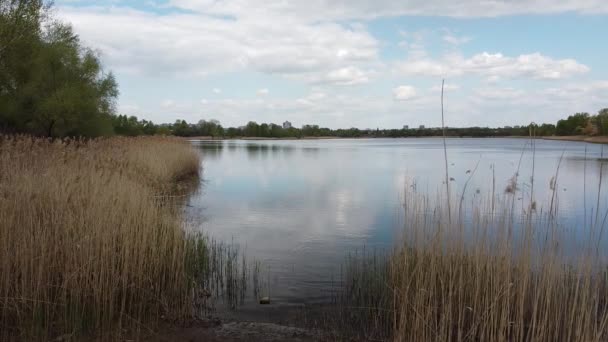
{"type": "Point", "coordinates": [421, 127]}
{"type": "Point", "coordinates": [406, 127]}
{"type": "Point", "coordinates": [286, 125]}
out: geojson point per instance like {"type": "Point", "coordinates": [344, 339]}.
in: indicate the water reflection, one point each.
{"type": "Point", "coordinates": [300, 206]}
{"type": "Point", "coordinates": [255, 150]}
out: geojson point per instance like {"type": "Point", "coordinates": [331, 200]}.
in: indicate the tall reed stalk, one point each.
{"type": "Point", "coordinates": [481, 284]}
{"type": "Point", "coordinates": [497, 274]}
{"type": "Point", "coordinates": [89, 240]}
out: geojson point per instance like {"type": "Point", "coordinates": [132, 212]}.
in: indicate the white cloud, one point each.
{"type": "Point", "coordinates": [577, 89]}
{"type": "Point", "coordinates": [311, 99]}
{"type": "Point", "coordinates": [404, 92]}
{"type": "Point", "coordinates": [446, 87]}
{"type": "Point", "coordinates": [263, 92]}
{"type": "Point", "coordinates": [494, 66]}
{"type": "Point", "coordinates": [453, 39]}
{"type": "Point", "coordinates": [499, 93]}
{"type": "Point", "coordinates": [309, 44]}
{"type": "Point", "coordinates": [485, 106]}
{"type": "Point", "coordinates": [167, 104]}
{"type": "Point", "coordinates": [345, 76]}
{"type": "Point", "coordinates": [579, 94]}
{"type": "Point", "coordinates": [193, 44]}
{"type": "Point", "coordinates": [367, 9]}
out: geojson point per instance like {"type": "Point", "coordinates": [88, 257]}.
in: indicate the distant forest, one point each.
{"type": "Point", "coordinates": [51, 85]}
{"type": "Point", "coordinates": [577, 124]}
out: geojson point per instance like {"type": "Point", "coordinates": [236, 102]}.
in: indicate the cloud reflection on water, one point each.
{"type": "Point", "coordinates": [301, 206]}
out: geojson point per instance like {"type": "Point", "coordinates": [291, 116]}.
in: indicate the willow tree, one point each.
{"type": "Point", "coordinates": [50, 84]}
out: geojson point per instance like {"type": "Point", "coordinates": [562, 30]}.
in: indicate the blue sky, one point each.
{"type": "Point", "coordinates": [350, 63]}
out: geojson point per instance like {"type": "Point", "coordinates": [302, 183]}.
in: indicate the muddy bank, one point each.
{"type": "Point", "coordinates": [236, 331]}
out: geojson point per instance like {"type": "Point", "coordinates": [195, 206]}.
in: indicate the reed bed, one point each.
{"type": "Point", "coordinates": [501, 275]}
{"type": "Point", "coordinates": [88, 241]}
{"type": "Point", "coordinates": [482, 268]}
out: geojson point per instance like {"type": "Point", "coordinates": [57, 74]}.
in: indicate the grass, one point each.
{"type": "Point", "coordinates": [491, 272]}
{"type": "Point", "coordinates": [501, 276]}
{"type": "Point", "coordinates": [90, 241]}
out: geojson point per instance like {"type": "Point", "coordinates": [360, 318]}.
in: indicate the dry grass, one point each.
{"type": "Point", "coordinates": [495, 274]}
{"type": "Point", "coordinates": [88, 241]}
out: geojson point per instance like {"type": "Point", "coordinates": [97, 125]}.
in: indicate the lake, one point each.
{"type": "Point", "coordinates": [300, 206]}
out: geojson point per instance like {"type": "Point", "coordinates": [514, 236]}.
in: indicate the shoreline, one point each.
{"type": "Point", "coordinates": [336, 138]}
{"type": "Point", "coordinates": [208, 138]}
{"type": "Point", "coordinates": [580, 138]}
{"type": "Point", "coordinates": [575, 138]}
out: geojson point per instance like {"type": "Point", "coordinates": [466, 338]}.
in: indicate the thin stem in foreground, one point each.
{"type": "Point", "coordinates": [445, 154]}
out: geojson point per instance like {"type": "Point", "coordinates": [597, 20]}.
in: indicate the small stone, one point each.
{"type": "Point", "coordinates": [265, 300]}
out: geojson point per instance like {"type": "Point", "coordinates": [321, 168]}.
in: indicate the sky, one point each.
{"type": "Point", "coordinates": [350, 63]}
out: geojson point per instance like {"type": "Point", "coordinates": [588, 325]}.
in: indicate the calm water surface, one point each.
{"type": "Point", "coordinates": [301, 206]}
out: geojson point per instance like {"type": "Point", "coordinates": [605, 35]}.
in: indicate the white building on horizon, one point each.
{"type": "Point", "coordinates": [286, 125]}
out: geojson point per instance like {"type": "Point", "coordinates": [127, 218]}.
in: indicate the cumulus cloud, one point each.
{"type": "Point", "coordinates": [494, 66]}
{"type": "Point", "coordinates": [345, 76]}
{"type": "Point", "coordinates": [277, 38]}
{"type": "Point", "coordinates": [593, 90]}
{"type": "Point", "coordinates": [482, 105]}
{"type": "Point", "coordinates": [404, 92]}
{"type": "Point", "coordinates": [368, 9]}
{"type": "Point", "coordinates": [193, 44]}
{"type": "Point", "coordinates": [263, 92]}
{"type": "Point", "coordinates": [323, 48]}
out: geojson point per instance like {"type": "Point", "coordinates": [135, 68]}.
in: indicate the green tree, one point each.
{"type": "Point", "coordinates": [276, 131]}
{"type": "Point", "coordinates": [252, 129]}
{"type": "Point", "coordinates": [49, 83]}
{"type": "Point", "coordinates": [182, 129]}
{"type": "Point", "coordinates": [545, 130]}
{"type": "Point", "coordinates": [601, 121]}
{"type": "Point", "coordinates": [149, 128]}
{"type": "Point", "coordinates": [573, 125]}
{"type": "Point", "coordinates": [130, 126]}
{"type": "Point", "coordinates": [264, 130]}
{"type": "Point", "coordinates": [20, 40]}
{"type": "Point", "coordinates": [233, 132]}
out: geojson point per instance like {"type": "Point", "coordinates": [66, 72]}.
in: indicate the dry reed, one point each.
{"type": "Point", "coordinates": [503, 277]}
{"type": "Point", "coordinates": [88, 244]}
{"type": "Point", "coordinates": [496, 274]}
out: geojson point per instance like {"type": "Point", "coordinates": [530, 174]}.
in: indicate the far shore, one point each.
{"type": "Point", "coordinates": [263, 138]}
{"type": "Point", "coordinates": [581, 138]}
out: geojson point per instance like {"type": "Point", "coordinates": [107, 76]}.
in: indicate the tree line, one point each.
{"type": "Point", "coordinates": [52, 85]}
{"type": "Point", "coordinates": [577, 124]}
{"type": "Point", "coordinates": [584, 124]}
